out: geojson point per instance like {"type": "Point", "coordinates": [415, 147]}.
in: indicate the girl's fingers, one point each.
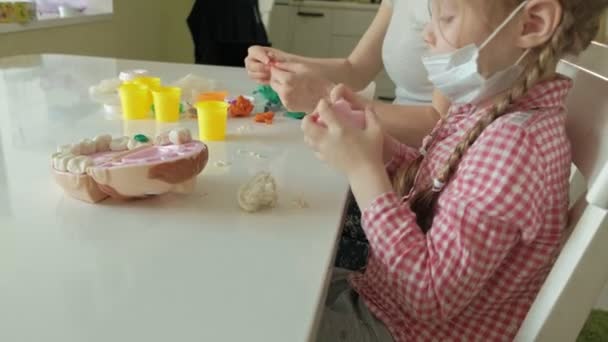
{"type": "Point", "coordinates": [313, 132]}
{"type": "Point", "coordinates": [328, 116]}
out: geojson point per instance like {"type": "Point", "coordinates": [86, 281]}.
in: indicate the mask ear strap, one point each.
{"type": "Point", "coordinates": [524, 55]}
{"type": "Point", "coordinates": [504, 23]}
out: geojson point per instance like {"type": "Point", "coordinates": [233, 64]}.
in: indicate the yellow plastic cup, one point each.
{"type": "Point", "coordinates": [152, 83]}
{"type": "Point", "coordinates": [166, 103]}
{"type": "Point", "coordinates": [212, 96]}
{"type": "Point", "coordinates": [212, 120]}
{"type": "Point", "coordinates": [134, 101]}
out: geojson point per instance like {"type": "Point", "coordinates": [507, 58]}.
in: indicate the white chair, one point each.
{"type": "Point", "coordinates": [581, 270]}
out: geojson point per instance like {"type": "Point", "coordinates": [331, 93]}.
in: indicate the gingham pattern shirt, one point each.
{"type": "Point", "coordinates": [496, 232]}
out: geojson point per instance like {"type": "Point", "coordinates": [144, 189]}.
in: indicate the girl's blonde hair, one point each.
{"type": "Point", "coordinates": [578, 27]}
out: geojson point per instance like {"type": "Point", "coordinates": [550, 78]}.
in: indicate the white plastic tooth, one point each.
{"type": "Point", "coordinates": [119, 144]}
{"type": "Point", "coordinates": [73, 166]}
{"type": "Point", "coordinates": [60, 163]}
{"type": "Point", "coordinates": [162, 139]}
{"type": "Point", "coordinates": [133, 144]}
{"type": "Point", "coordinates": [55, 160]}
{"type": "Point", "coordinates": [87, 147]}
{"type": "Point", "coordinates": [79, 164]}
{"type": "Point", "coordinates": [180, 136]}
{"type": "Point", "coordinates": [65, 148]}
{"type": "Point", "coordinates": [102, 142]}
{"type": "Point", "coordinates": [76, 149]}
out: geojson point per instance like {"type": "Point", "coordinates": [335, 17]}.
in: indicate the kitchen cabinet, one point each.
{"type": "Point", "coordinates": [278, 27]}
{"type": "Point", "coordinates": [311, 31]}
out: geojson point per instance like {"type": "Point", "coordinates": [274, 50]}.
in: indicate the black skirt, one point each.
{"type": "Point", "coordinates": [353, 248]}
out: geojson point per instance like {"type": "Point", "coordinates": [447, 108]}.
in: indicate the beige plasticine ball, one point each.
{"type": "Point", "coordinates": [258, 194]}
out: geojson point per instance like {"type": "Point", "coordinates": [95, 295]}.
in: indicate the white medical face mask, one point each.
{"type": "Point", "coordinates": [456, 74]}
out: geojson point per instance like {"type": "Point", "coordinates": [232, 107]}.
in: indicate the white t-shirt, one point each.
{"type": "Point", "coordinates": [403, 49]}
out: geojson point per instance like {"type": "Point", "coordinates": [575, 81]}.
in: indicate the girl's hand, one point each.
{"type": "Point", "coordinates": [357, 102]}
{"type": "Point", "coordinates": [299, 86]}
{"type": "Point", "coordinates": [344, 147]}
{"type": "Point", "coordinates": [259, 61]}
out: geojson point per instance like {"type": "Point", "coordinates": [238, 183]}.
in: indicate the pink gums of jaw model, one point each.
{"type": "Point", "coordinates": [139, 172]}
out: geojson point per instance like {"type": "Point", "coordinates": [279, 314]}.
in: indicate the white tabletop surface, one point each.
{"type": "Point", "coordinates": [172, 268]}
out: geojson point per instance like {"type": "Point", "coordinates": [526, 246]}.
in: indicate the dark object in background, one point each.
{"type": "Point", "coordinates": [353, 247]}
{"type": "Point", "coordinates": [223, 30]}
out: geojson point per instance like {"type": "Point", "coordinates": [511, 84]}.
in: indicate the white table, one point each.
{"type": "Point", "coordinates": [172, 268]}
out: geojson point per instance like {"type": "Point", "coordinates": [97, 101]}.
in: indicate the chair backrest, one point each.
{"type": "Point", "coordinates": [580, 272]}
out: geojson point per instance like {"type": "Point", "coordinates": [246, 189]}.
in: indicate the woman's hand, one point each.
{"type": "Point", "coordinates": [259, 60]}
{"type": "Point", "coordinates": [299, 86]}
{"type": "Point", "coordinates": [344, 147]}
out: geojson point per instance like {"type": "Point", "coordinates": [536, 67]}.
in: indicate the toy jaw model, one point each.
{"type": "Point", "coordinates": [126, 168]}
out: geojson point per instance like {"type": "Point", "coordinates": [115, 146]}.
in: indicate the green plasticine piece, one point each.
{"type": "Point", "coordinates": [296, 115]}
{"type": "Point", "coordinates": [269, 94]}
{"type": "Point", "coordinates": [141, 138]}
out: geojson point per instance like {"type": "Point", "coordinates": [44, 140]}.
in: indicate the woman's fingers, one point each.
{"type": "Point", "coordinates": [256, 66]}
{"type": "Point", "coordinates": [259, 53]}
{"type": "Point", "coordinates": [259, 76]}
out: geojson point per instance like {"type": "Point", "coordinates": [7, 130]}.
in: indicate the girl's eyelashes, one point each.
{"type": "Point", "coordinates": [447, 19]}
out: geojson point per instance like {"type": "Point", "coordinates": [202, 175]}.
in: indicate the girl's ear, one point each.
{"type": "Point", "coordinates": [540, 20]}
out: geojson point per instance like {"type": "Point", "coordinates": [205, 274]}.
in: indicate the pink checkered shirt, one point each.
{"type": "Point", "coordinates": [497, 230]}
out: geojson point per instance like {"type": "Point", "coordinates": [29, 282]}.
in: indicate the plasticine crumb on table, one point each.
{"type": "Point", "coordinates": [301, 204]}
{"type": "Point", "coordinates": [242, 129]}
{"type": "Point", "coordinates": [258, 194]}
{"type": "Point", "coordinates": [129, 168]}
{"type": "Point", "coordinates": [222, 164]}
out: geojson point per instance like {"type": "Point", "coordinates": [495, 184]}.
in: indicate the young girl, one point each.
{"type": "Point", "coordinates": [464, 231]}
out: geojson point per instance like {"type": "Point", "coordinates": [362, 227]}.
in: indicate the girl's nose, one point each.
{"type": "Point", "coordinates": [429, 35]}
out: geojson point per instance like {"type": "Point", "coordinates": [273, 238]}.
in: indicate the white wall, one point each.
{"type": "Point", "coordinates": [139, 29]}
{"type": "Point", "coordinates": [265, 9]}
{"type": "Point", "coordinates": [176, 45]}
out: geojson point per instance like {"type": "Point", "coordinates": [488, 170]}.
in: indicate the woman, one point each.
{"type": "Point", "coordinates": [393, 40]}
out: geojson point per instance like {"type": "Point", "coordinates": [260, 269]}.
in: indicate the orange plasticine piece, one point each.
{"type": "Point", "coordinates": [266, 118]}
{"type": "Point", "coordinates": [241, 107]}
